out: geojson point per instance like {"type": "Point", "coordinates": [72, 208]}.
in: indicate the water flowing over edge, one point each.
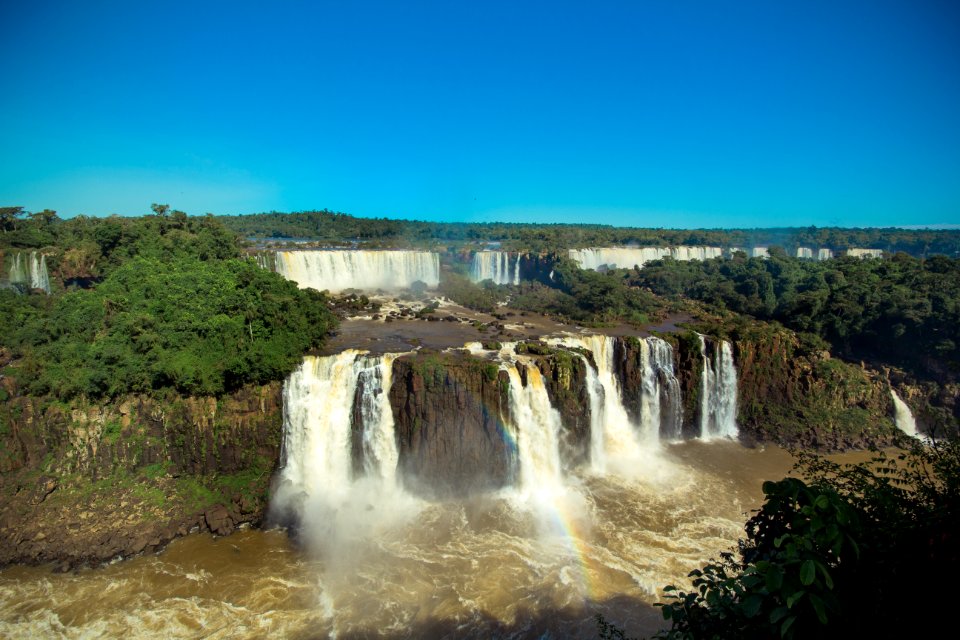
{"type": "Point", "coordinates": [337, 270]}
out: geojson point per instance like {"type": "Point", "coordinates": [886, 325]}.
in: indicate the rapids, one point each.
{"type": "Point", "coordinates": [480, 568]}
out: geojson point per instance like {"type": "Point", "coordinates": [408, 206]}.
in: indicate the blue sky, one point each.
{"type": "Point", "coordinates": [663, 114]}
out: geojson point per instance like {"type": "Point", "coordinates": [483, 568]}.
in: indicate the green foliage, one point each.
{"type": "Point", "coordinates": [902, 308]}
{"type": "Point", "coordinates": [838, 555]}
{"type": "Point", "coordinates": [192, 326]}
{"type": "Point", "coordinates": [329, 226]}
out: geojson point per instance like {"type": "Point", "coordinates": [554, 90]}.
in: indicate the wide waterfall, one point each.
{"type": "Point", "coordinates": [902, 415]}
{"type": "Point", "coordinates": [718, 392]}
{"type": "Point", "coordinates": [31, 272]}
{"type": "Point", "coordinates": [629, 257]}
{"type": "Point", "coordinates": [498, 266]}
{"type": "Point", "coordinates": [336, 270]}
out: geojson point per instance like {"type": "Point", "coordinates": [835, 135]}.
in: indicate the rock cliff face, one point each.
{"type": "Point", "coordinates": [791, 394]}
{"type": "Point", "coordinates": [452, 418]}
{"type": "Point", "coordinates": [91, 481]}
{"type": "Point", "coordinates": [449, 414]}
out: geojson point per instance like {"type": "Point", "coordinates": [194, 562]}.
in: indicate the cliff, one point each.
{"type": "Point", "coordinates": [452, 415]}
{"type": "Point", "coordinates": [91, 481]}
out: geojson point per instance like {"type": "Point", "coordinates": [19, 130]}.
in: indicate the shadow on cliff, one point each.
{"type": "Point", "coordinates": [637, 618]}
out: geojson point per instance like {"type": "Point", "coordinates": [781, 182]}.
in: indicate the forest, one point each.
{"type": "Point", "coordinates": [162, 302]}
{"type": "Point", "coordinates": [339, 228]}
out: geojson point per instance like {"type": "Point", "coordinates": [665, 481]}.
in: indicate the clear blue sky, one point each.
{"type": "Point", "coordinates": [672, 113]}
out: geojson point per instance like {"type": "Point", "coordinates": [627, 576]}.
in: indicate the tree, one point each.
{"type": "Point", "coordinates": [9, 217]}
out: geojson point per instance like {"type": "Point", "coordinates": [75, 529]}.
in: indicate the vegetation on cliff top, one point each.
{"type": "Point", "coordinates": [901, 310]}
{"type": "Point", "coordinates": [340, 227]}
{"type": "Point", "coordinates": [172, 306]}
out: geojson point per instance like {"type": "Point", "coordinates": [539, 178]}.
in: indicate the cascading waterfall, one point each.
{"type": "Point", "coordinates": [824, 254]}
{"type": "Point", "coordinates": [380, 453]}
{"type": "Point", "coordinates": [662, 404]}
{"type": "Point", "coordinates": [718, 392]}
{"type": "Point", "coordinates": [495, 266]}
{"type": "Point", "coordinates": [805, 252]}
{"type": "Point", "coordinates": [537, 425]}
{"type": "Point", "coordinates": [336, 270]}
{"type": "Point", "coordinates": [628, 257]}
{"type": "Point", "coordinates": [902, 415]}
{"type": "Point", "coordinates": [759, 252]}
{"type": "Point", "coordinates": [31, 272]}
{"type": "Point", "coordinates": [613, 436]}
{"type": "Point", "coordinates": [318, 401]}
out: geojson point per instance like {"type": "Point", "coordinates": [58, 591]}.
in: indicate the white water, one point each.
{"type": "Point", "coordinates": [336, 504]}
{"type": "Point", "coordinates": [662, 404]}
{"type": "Point", "coordinates": [865, 253]}
{"type": "Point", "coordinates": [628, 257]}
{"type": "Point", "coordinates": [808, 253]}
{"type": "Point", "coordinates": [495, 265]}
{"type": "Point", "coordinates": [759, 252]}
{"type": "Point", "coordinates": [380, 455]}
{"type": "Point", "coordinates": [336, 270]}
{"type": "Point", "coordinates": [718, 393]}
{"type": "Point", "coordinates": [902, 416]}
{"type": "Point", "coordinates": [537, 427]}
{"type": "Point", "coordinates": [30, 271]}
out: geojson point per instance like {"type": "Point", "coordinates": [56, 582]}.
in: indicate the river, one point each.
{"type": "Point", "coordinates": [504, 565]}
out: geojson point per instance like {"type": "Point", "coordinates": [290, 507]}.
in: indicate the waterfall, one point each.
{"type": "Point", "coordinates": [612, 435]}
{"type": "Point", "coordinates": [336, 270]}
{"type": "Point", "coordinates": [865, 253]}
{"type": "Point", "coordinates": [759, 252]}
{"type": "Point", "coordinates": [39, 278]}
{"type": "Point", "coordinates": [718, 392]}
{"type": "Point", "coordinates": [537, 427]}
{"type": "Point", "coordinates": [902, 415]}
{"type": "Point", "coordinates": [661, 402]}
{"type": "Point", "coordinates": [628, 257]}
{"type": "Point", "coordinates": [495, 266]}
{"type": "Point", "coordinates": [380, 453]}
{"type": "Point", "coordinates": [318, 402]}
{"type": "Point", "coordinates": [31, 272]}
{"type": "Point", "coordinates": [17, 273]}
{"type": "Point", "coordinates": [809, 254]}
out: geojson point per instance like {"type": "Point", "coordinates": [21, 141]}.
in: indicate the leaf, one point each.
{"type": "Point", "coordinates": [751, 606]}
{"type": "Point", "coordinates": [777, 614]}
{"type": "Point", "coordinates": [786, 625]}
{"type": "Point", "coordinates": [808, 572]}
{"type": "Point", "coordinates": [775, 578]}
{"type": "Point", "coordinates": [794, 598]}
{"type": "Point", "coordinates": [818, 608]}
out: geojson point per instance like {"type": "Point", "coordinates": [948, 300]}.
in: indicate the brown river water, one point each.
{"type": "Point", "coordinates": [488, 567]}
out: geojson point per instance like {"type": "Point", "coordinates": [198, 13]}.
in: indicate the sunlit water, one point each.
{"type": "Point", "coordinates": [490, 567]}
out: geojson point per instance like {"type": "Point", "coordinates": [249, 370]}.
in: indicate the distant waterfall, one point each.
{"type": "Point", "coordinates": [537, 426]}
{"type": "Point", "coordinates": [30, 272]}
{"type": "Point", "coordinates": [808, 253]}
{"type": "Point", "coordinates": [902, 416]}
{"type": "Point", "coordinates": [629, 257]}
{"type": "Point", "coordinates": [318, 402]}
{"type": "Point", "coordinates": [495, 265]}
{"type": "Point", "coordinates": [336, 270]}
{"type": "Point", "coordinates": [759, 252]}
{"type": "Point", "coordinates": [718, 392]}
